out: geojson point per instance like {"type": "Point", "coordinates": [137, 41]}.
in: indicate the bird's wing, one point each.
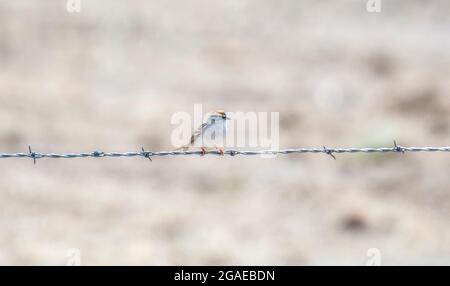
{"type": "Point", "coordinates": [199, 132]}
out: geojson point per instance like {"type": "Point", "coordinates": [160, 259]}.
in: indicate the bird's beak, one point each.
{"type": "Point", "coordinates": [227, 118]}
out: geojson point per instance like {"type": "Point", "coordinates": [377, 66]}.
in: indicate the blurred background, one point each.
{"type": "Point", "coordinates": [111, 76]}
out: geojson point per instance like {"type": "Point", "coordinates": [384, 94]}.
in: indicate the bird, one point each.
{"type": "Point", "coordinates": [210, 134]}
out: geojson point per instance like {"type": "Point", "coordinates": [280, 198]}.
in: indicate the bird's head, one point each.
{"type": "Point", "coordinates": [222, 114]}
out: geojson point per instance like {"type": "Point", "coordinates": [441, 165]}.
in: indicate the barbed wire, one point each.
{"type": "Point", "coordinates": [149, 154]}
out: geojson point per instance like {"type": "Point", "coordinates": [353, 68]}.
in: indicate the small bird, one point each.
{"type": "Point", "coordinates": [210, 134]}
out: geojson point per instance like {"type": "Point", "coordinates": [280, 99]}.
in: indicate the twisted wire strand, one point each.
{"type": "Point", "coordinates": [232, 152]}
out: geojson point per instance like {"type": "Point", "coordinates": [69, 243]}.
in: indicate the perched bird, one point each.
{"type": "Point", "coordinates": [210, 134]}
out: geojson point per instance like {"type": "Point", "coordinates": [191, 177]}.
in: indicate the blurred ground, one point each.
{"type": "Point", "coordinates": [111, 77]}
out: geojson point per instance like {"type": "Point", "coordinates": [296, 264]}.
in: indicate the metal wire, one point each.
{"type": "Point", "coordinates": [149, 154]}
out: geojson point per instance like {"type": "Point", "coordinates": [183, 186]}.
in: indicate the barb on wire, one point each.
{"type": "Point", "coordinates": [32, 154]}
{"type": "Point", "coordinates": [329, 152]}
{"type": "Point", "coordinates": [146, 154]}
{"type": "Point", "coordinates": [98, 154]}
{"type": "Point", "coordinates": [398, 148]}
{"type": "Point", "coordinates": [231, 152]}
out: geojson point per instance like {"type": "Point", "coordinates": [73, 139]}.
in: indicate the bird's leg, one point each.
{"type": "Point", "coordinates": [203, 151]}
{"type": "Point", "coordinates": [221, 151]}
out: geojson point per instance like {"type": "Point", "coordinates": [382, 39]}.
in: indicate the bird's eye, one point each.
{"type": "Point", "coordinates": [213, 120]}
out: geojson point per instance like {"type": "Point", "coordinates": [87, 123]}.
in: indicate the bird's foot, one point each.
{"type": "Point", "coordinates": [203, 151]}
